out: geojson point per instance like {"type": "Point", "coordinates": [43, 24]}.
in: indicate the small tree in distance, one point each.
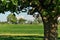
{"type": "Point", "coordinates": [21, 20]}
{"type": "Point", "coordinates": [11, 18]}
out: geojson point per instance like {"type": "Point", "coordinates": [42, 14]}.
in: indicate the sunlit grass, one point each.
{"type": "Point", "coordinates": [21, 28]}
{"type": "Point", "coordinates": [59, 30]}
{"type": "Point", "coordinates": [24, 30]}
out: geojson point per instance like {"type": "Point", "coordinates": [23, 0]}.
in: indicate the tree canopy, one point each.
{"type": "Point", "coordinates": [43, 6]}
{"type": "Point", "coordinates": [47, 8]}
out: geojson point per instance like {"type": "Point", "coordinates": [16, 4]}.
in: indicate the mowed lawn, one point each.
{"type": "Point", "coordinates": [21, 29]}
{"type": "Point", "coordinates": [25, 29]}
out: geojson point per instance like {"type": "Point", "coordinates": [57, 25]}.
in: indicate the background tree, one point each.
{"type": "Point", "coordinates": [21, 20]}
{"type": "Point", "coordinates": [48, 9]}
{"type": "Point", "coordinates": [37, 17]}
{"type": "Point", "coordinates": [11, 18]}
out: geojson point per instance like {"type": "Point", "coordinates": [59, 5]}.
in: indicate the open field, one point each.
{"type": "Point", "coordinates": [23, 30]}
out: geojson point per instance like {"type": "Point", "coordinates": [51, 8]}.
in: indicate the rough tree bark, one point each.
{"type": "Point", "coordinates": [50, 25]}
{"type": "Point", "coordinates": [50, 28]}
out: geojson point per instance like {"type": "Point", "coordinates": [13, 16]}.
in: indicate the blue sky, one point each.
{"type": "Point", "coordinates": [3, 17]}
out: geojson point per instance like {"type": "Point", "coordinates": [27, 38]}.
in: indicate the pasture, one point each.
{"type": "Point", "coordinates": [32, 31]}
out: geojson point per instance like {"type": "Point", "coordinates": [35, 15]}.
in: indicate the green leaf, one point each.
{"type": "Point", "coordinates": [44, 13]}
{"type": "Point", "coordinates": [15, 2]}
{"type": "Point", "coordinates": [4, 2]}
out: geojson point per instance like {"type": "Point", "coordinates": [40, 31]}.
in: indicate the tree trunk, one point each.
{"type": "Point", "coordinates": [50, 28]}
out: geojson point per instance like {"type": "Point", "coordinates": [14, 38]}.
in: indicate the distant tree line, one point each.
{"type": "Point", "coordinates": [12, 19]}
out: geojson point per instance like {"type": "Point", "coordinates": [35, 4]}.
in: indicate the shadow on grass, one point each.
{"type": "Point", "coordinates": [22, 38]}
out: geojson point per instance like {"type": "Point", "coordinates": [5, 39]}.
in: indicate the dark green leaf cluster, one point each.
{"type": "Point", "coordinates": [50, 7]}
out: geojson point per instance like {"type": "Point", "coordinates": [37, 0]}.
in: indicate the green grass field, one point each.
{"type": "Point", "coordinates": [23, 29]}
